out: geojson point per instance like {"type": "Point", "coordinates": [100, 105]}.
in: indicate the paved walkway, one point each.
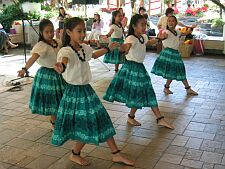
{"type": "Point", "coordinates": [197, 142]}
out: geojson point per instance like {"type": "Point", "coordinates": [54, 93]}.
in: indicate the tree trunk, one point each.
{"type": "Point", "coordinates": [217, 2]}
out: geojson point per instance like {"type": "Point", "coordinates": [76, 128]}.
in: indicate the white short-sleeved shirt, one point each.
{"type": "Point", "coordinates": [172, 41]}
{"type": "Point", "coordinates": [118, 32]}
{"type": "Point", "coordinates": [77, 72]}
{"type": "Point", "coordinates": [137, 51]}
{"type": "Point", "coordinates": [48, 54]}
{"type": "Point", "coordinates": [163, 21]}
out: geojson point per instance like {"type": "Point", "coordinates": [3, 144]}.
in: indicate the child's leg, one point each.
{"type": "Point", "coordinates": [188, 88]}
{"type": "Point", "coordinates": [75, 156]}
{"type": "Point", "coordinates": [116, 67]}
{"type": "Point", "coordinates": [131, 117]}
{"type": "Point", "coordinates": [116, 156]}
{"type": "Point", "coordinates": [160, 119]}
{"type": "Point", "coordinates": [52, 121]}
{"type": "Point", "coordinates": [11, 44]}
{"type": "Point", "coordinates": [167, 87]}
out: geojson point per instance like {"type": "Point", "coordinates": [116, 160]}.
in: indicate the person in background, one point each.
{"type": "Point", "coordinates": [5, 42]}
{"type": "Point", "coordinates": [142, 11]}
{"type": "Point", "coordinates": [62, 16]}
{"type": "Point", "coordinates": [124, 20]}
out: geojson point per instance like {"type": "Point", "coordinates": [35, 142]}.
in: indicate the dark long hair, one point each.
{"type": "Point", "coordinates": [167, 27]}
{"type": "Point", "coordinates": [42, 25]}
{"type": "Point", "coordinates": [70, 24]}
{"type": "Point", "coordinates": [99, 18]}
{"type": "Point", "coordinates": [114, 14]}
{"type": "Point", "coordinates": [61, 14]}
{"type": "Point", "coordinates": [133, 22]}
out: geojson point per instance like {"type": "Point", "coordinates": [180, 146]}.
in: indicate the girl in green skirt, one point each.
{"type": "Point", "coordinates": [81, 115]}
{"type": "Point", "coordinates": [48, 85]}
{"type": "Point", "coordinates": [169, 64]}
{"type": "Point", "coordinates": [116, 34]}
{"type": "Point", "coordinates": [132, 84]}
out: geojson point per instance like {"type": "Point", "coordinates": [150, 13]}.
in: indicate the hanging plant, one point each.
{"type": "Point", "coordinates": [168, 2]}
{"type": "Point", "coordinates": [37, 1]}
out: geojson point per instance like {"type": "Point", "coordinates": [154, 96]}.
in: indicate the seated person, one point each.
{"type": "Point", "coordinates": [5, 42]}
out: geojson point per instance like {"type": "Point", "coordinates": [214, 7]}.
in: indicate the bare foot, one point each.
{"type": "Point", "coordinates": [163, 122]}
{"type": "Point", "coordinates": [133, 122]}
{"type": "Point", "coordinates": [118, 158]}
{"type": "Point", "coordinates": [14, 46]}
{"type": "Point", "coordinates": [79, 160]}
{"type": "Point", "coordinates": [167, 91]}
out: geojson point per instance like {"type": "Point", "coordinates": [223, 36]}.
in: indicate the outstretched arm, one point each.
{"type": "Point", "coordinates": [29, 63]}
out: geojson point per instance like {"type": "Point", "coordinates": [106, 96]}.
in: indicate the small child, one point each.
{"type": "Point", "coordinates": [81, 115]}
{"type": "Point", "coordinates": [169, 64]}
{"type": "Point", "coordinates": [116, 33]}
{"type": "Point", "coordinates": [132, 84]}
{"type": "Point", "coordinates": [48, 85]}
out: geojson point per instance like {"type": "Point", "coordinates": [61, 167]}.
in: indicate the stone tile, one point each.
{"type": "Point", "coordinates": [133, 150]}
{"type": "Point", "coordinates": [171, 158]}
{"type": "Point", "coordinates": [139, 140]}
{"type": "Point", "coordinates": [176, 150]}
{"type": "Point", "coordinates": [25, 161]}
{"type": "Point", "coordinates": [208, 166]}
{"type": "Point", "coordinates": [196, 126]}
{"type": "Point", "coordinates": [11, 155]}
{"type": "Point", "coordinates": [34, 134]}
{"type": "Point", "coordinates": [21, 143]}
{"type": "Point", "coordinates": [211, 157]}
{"type": "Point", "coordinates": [101, 152]}
{"type": "Point", "coordinates": [192, 163]}
{"type": "Point", "coordinates": [194, 143]}
{"type": "Point", "coordinates": [199, 134]}
{"type": "Point", "coordinates": [219, 166]}
{"type": "Point", "coordinates": [180, 140]}
{"type": "Point", "coordinates": [166, 165]}
{"type": "Point", "coordinates": [193, 154]}
{"type": "Point", "coordinates": [42, 162]}
{"type": "Point", "coordinates": [56, 152]}
{"type": "Point", "coordinates": [8, 135]}
{"type": "Point", "coordinates": [4, 165]}
{"type": "Point", "coordinates": [36, 150]}
{"type": "Point", "coordinates": [209, 145]}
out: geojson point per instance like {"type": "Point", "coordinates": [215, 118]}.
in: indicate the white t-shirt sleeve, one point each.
{"type": "Point", "coordinates": [40, 48]}
{"type": "Point", "coordinates": [88, 51]}
{"type": "Point", "coordinates": [130, 39]}
{"type": "Point", "coordinates": [64, 52]}
{"type": "Point", "coordinates": [113, 27]}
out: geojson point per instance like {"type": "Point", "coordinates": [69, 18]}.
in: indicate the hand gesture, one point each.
{"type": "Point", "coordinates": [21, 73]}
{"type": "Point", "coordinates": [58, 67]}
{"type": "Point", "coordinates": [113, 45]}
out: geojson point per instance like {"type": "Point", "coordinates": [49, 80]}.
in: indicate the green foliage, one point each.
{"type": "Point", "coordinates": [218, 23]}
{"type": "Point", "coordinates": [9, 14]}
{"type": "Point", "coordinates": [33, 16]}
{"type": "Point", "coordinates": [46, 8]}
{"type": "Point", "coordinates": [38, 1]}
{"type": "Point", "coordinates": [168, 1]}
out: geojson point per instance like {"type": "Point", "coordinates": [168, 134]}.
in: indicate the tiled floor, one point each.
{"type": "Point", "coordinates": [197, 142]}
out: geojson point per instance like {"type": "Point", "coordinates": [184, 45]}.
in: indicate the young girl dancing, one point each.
{"type": "Point", "coordinates": [48, 85]}
{"type": "Point", "coordinates": [116, 34]}
{"type": "Point", "coordinates": [169, 64]}
{"type": "Point", "coordinates": [132, 84]}
{"type": "Point", "coordinates": [81, 115]}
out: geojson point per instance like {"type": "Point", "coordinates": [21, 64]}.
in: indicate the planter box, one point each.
{"type": "Point", "coordinates": [185, 50]}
